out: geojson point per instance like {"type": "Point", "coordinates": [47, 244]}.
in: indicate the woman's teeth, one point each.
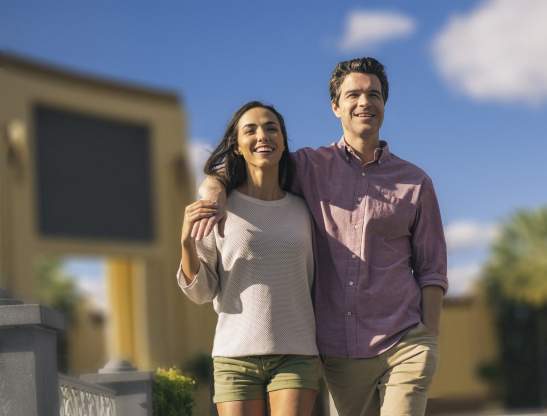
{"type": "Point", "coordinates": [264, 149]}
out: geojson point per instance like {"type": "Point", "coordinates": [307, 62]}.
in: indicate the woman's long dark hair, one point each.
{"type": "Point", "coordinates": [229, 167]}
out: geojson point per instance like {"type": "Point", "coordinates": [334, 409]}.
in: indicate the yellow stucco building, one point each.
{"type": "Point", "coordinates": [100, 168]}
{"type": "Point", "coordinates": [466, 343]}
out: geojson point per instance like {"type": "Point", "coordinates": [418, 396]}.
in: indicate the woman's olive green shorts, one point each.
{"type": "Point", "coordinates": [251, 378]}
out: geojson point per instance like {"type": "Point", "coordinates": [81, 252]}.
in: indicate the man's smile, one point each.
{"type": "Point", "coordinates": [364, 115]}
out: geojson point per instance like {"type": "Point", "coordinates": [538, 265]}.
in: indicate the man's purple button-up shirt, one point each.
{"type": "Point", "coordinates": [378, 240]}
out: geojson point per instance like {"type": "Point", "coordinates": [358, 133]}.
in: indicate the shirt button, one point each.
{"type": "Point", "coordinates": [353, 256]}
{"type": "Point", "coordinates": [363, 173]}
{"type": "Point", "coordinates": [359, 199]}
{"type": "Point", "coordinates": [348, 314]}
{"type": "Point", "coordinates": [351, 282]}
{"type": "Point", "coordinates": [356, 226]}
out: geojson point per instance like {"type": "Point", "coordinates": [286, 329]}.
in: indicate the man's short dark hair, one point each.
{"type": "Point", "coordinates": [365, 65]}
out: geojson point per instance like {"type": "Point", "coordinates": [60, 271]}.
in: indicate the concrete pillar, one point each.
{"type": "Point", "coordinates": [133, 388]}
{"type": "Point", "coordinates": [28, 359]}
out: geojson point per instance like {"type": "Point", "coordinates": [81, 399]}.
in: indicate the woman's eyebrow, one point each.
{"type": "Point", "coordinates": [254, 125]}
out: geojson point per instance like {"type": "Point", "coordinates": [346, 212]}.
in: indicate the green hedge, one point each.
{"type": "Point", "coordinates": [172, 393]}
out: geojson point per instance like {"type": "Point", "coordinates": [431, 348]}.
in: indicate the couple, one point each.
{"type": "Point", "coordinates": [377, 267]}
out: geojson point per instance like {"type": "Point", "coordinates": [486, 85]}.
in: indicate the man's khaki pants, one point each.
{"type": "Point", "coordinates": [393, 383]}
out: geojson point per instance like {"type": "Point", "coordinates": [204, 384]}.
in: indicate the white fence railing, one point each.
{"type": "Point", "coordinates": [78, 398]}
{"type": "Point", "coordinates": [28, 360]}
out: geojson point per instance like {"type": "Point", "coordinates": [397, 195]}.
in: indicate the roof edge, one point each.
{"type": "Point", "coordinates": [41, 67]}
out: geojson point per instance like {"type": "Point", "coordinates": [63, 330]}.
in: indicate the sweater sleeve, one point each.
{"type": "Point", "coordinates": [205, 284]}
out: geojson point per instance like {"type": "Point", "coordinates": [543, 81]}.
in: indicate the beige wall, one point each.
{"type": "Point", "coordinates": [87, 339]}
{"type": "Point", "coordinates": [467, 340]}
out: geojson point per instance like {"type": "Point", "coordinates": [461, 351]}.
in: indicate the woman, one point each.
{"type": "Point", "coordinates": [258, 275]}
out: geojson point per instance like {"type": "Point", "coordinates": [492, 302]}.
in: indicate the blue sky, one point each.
{"type": "Point", "coordinates": [468, 83]}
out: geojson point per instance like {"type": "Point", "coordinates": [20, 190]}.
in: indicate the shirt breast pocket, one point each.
{"type": "Point", "coordinates": [390, 217]}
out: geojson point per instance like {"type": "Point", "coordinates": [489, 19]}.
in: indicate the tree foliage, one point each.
{"type": "Point", "coordinates": [515, 281]}
{"type": "Point", "coordinates": [517, 269]}
{"type": "Point", "coordinates": [56, 289]}
{"type": "Point", "coordinates": [59, 291]}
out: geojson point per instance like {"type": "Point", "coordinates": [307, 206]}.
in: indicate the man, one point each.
{"type": "Point", "coordinates": [380, 254]}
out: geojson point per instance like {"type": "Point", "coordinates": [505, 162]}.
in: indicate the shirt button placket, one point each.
{"type": "Point", "coordinates": [355, 237]}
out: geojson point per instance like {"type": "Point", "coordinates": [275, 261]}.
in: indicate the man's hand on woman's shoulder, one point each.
{"type": "Point", "coordinates": [211, 189]}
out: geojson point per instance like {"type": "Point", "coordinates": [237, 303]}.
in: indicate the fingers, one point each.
{"type": "Point", "coordinates": [200, 225]}
{"type": "Point", "coordinates": [211, 211]}
{"type": "Point", "coordinates": [198, 216]}
{"type": "Point", "coordinates": [201, 204]}
{"type": "Point", "coordinates": [200, 207]}
{"type": "Point", "coordinates": [209, 225]}
{"type": "Point", "coordinates": [195, 228]}
{"type": "Point", "coordinates": [191, 213]}
{"type": "Point", "coordinates": [219, 218]}
{"type": "Point", "coordinates": [195, 213]}
{"type": "Point", "coordinates": [204, 215]}
{"type": "Point", "coordinates": [201, 229]}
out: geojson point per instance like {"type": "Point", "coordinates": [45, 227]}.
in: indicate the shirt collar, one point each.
{"type": "Point", "coordinates": [381, 153]}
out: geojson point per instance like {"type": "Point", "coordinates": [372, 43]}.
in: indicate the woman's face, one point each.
{"type": "Point", "coordinates": [259, 138]}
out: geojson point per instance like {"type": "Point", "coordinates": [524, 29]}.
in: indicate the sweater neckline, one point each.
{"type": "Point", "coordinates": [274, 203]}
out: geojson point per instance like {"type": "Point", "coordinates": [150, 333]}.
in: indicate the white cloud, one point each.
{"type": "Point", "coordinates": [466, 234]}
{"type": "Point", "coordinates": [366, 29]}
{"type": "Point", "coordinates": [94, 289]}
{"type": "Point", "coordinates": [90, 277]}
{"type": "Point", "coordinates": [497, 52]}
{"type": "Point", "coordinates": [462, 278]}
{"type": "Point", "coordinates": [199, 153]}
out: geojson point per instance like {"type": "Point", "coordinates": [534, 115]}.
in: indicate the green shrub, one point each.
{"type": "Point", "coordinates": [172, 393]}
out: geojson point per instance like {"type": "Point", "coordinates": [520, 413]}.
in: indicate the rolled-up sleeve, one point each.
{"type": "Point", "coordinates": [204, 286]}
{"type": "Point", "coordinates": [429, 258]}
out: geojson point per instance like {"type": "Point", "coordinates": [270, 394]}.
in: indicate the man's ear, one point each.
{"type": "Point", "coordinates": [335, 109]}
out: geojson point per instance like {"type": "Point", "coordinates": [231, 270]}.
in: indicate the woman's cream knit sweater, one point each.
{"type": "Point", "coordinates": [259, 277]}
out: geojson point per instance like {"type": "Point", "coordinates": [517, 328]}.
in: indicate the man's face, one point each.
{"type": "Point", "coordinates": [360, 107]}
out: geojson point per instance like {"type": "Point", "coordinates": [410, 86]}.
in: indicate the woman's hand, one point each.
{"type": "Point", "coordinates": [193, 213]}
{"type": "Point", "coordinates": [212, 190]}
